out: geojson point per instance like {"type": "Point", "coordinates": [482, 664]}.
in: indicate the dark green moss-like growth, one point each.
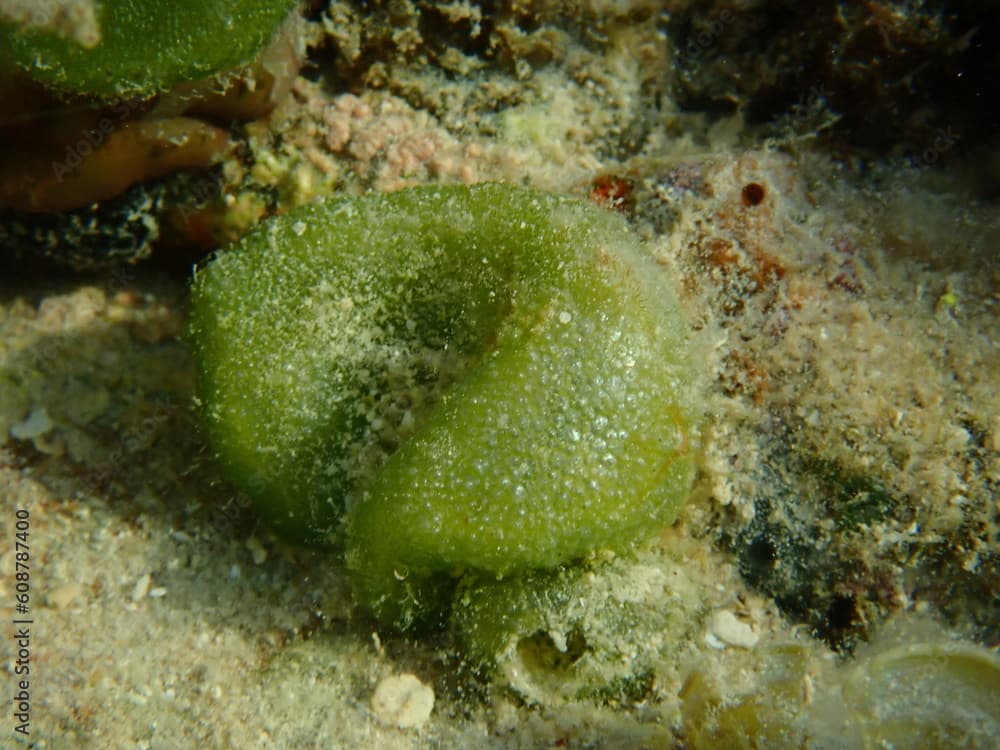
{"type": "Point", "coordinates": [485, 379]}
{"type": "Point", "coordinates": [812, 568]}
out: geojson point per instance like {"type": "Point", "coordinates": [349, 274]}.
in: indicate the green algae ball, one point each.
{"type": "Point", "coordinates": [488, 380]}
{"type": "Point", "coordinates": [147, 46]}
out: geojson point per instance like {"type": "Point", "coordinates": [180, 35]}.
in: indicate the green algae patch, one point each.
{"type": "Point", "coordinates": [594, 631]}
{"type": "Point", "coordinates": [487, 380]}
{"type": "Point", "coordinates": [148, 46]}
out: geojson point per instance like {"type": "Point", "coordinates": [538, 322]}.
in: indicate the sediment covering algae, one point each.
{"type": "Point", "coordinates": [145, 47]}
{"type": "Point", "coordinates": [483, 379]}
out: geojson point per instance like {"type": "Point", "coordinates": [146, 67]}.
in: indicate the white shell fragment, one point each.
{"type": "Point", "coordinates": [403, 701]}
{"type": "Point", "coordinates": [725, 629]}
{"type": "Point", "coordinates": [35, 425]}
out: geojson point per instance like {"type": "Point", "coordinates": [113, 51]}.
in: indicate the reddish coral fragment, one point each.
{"type": "Point", "coordinates": [612, 192]}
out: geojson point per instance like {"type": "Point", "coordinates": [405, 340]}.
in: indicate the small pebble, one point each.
{"type": "Point", "coordinates": [726, 630]}
{"type": "Point", "coordinates": [36, 425]}
{"type": "Point", "coordinates": [142, 587]}
{"type": "Point", "coordinates": [403, 701]}
{"type": "Point", "coordinates": [62, 596]}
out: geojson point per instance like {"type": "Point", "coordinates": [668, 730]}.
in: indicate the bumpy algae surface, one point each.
{"type": "Point", "coordinates": [145, 47]}
{"type": "Point", "coordinates": [831, 583]}
{"type": "Point", "coordinates": [486, 378]}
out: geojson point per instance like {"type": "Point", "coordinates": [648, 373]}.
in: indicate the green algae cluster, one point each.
{"type": "Point", "coordinates": [905, 691]}
{"type": "Point", "coordinates": [590, 632]}
{"type": "Point", "coordinates": [483, 380]}
{"type": "Point", "coordinates": [146, 46]}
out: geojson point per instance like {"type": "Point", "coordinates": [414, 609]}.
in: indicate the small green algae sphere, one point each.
{"type": "Point", "coordinates": [147, 46]}
{"type": "Point", "coordinates": [487, 379]}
